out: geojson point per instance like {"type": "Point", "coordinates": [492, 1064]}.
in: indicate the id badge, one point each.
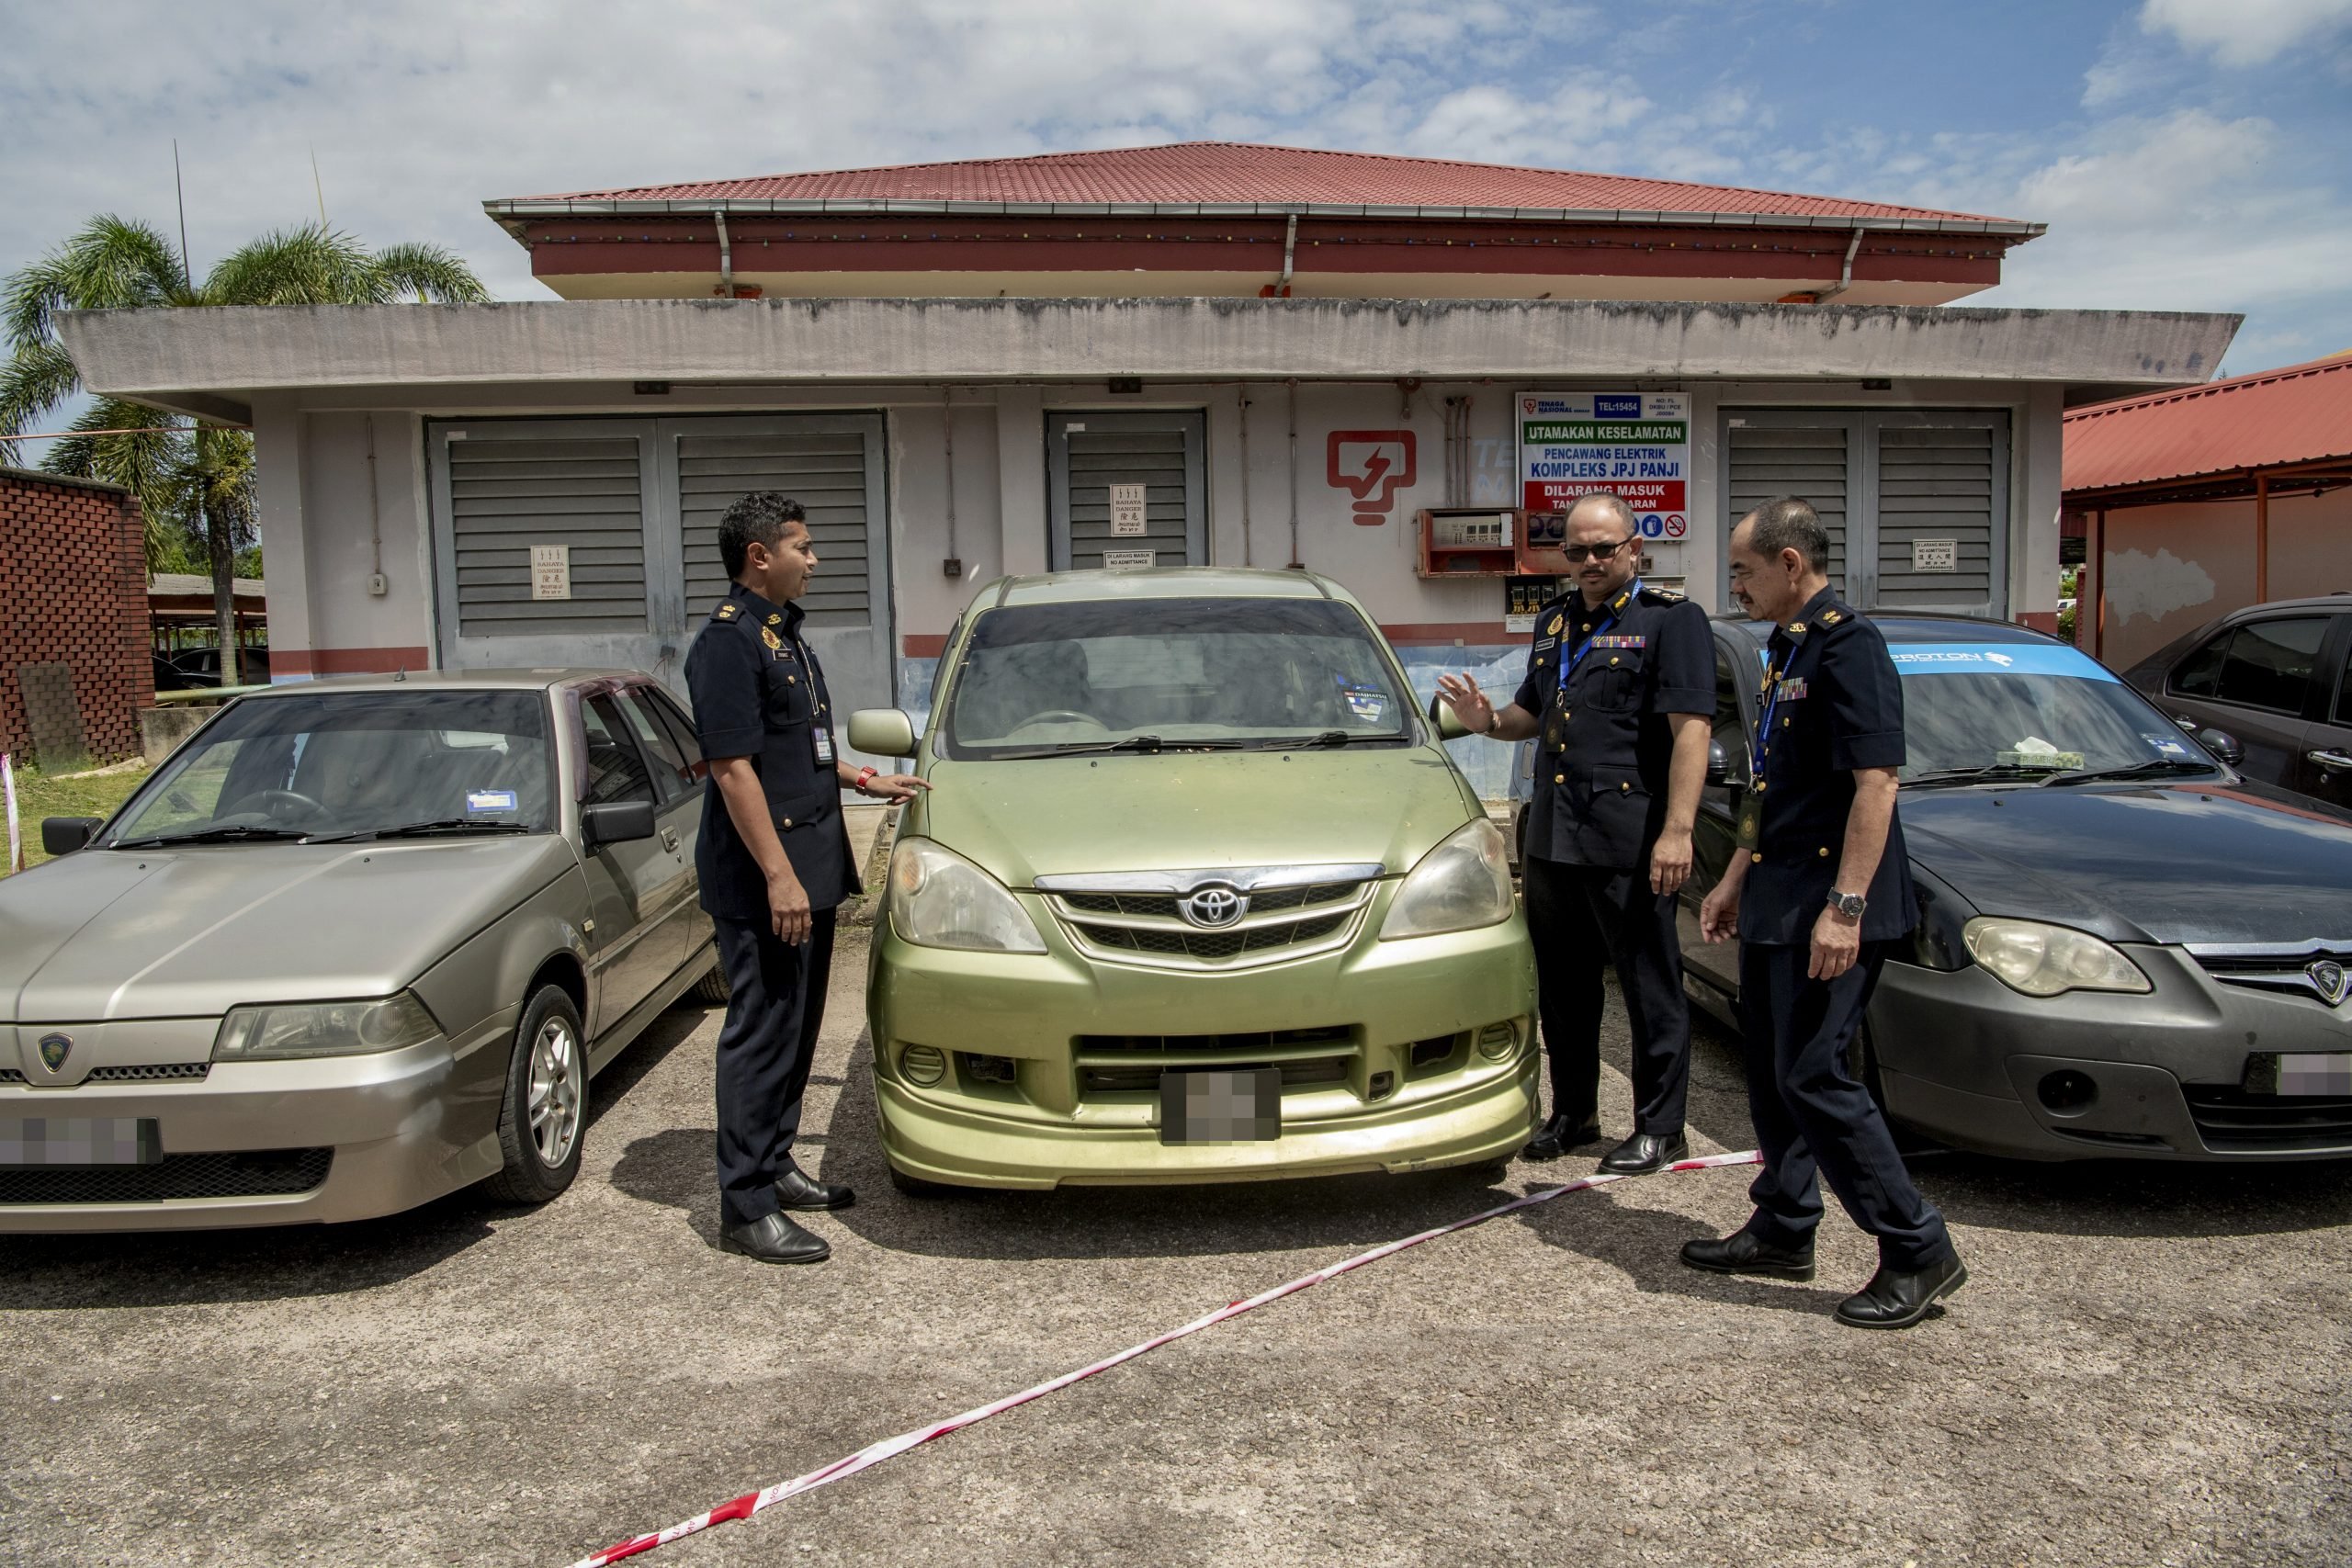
{"type": "Point", "coordinates": [1751, 822]}
{"type": "Point", "coordinates": [824, 747]}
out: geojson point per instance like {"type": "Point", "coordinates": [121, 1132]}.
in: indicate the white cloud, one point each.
{"type": "Point", "coordinates": [2245, 32]}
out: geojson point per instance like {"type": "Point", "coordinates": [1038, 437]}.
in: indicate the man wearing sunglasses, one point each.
{"type": "Point", "coordinates": [1620, 684]}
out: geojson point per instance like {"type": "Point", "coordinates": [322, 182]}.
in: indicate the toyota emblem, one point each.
{"type": "Point", "coordinates": [1213, 906]}
{"type": "Point", "coordinates": [2330, 979]}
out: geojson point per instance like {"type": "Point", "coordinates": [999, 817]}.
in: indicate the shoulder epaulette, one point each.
{"type": "Point", "coordinates": [1661, 595]}
{"type": "Point", "coordinates": [724, 611]}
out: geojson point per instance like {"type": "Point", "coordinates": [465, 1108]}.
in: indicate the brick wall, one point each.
{"type": "Point", "coordinates": [73, 592]}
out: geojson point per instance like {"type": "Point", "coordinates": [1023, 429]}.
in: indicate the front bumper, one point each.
{"type": "Point", "coordinates": [1371, 1002]}
{"type": "Point", "coordinates": [329, 1139]}
{"type": "Point", "coordinates": [1977, 1066]}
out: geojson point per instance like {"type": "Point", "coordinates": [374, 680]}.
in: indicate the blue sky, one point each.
{"type": "Point", "coordinates": [2188, 154]}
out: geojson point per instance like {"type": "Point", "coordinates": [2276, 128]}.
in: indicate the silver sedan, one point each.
{"type": "Point", "coordinates": [356, 944]}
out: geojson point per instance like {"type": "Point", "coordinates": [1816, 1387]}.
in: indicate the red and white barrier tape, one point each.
{"type": "Point", "coordinates": [750, 1502]}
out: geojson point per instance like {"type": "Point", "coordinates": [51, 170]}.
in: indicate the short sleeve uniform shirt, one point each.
{"type": "Point", "coordinates": [758, 692]}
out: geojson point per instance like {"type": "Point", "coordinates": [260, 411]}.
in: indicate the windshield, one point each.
{"type": "Point", "coordinates": [1169, 674]}
{"type": "Point", "coordinates": [335, 763]}
{"type": "Point", "coordinates": [2028, 707]}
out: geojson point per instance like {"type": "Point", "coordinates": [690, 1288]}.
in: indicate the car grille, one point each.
{"type": "Point", "coordinates": [146, 1072]}
{"type": "Point", "coordinates": [2276, 969]}
{"type": "Point", "coordinates": [2231, 1120]}
{"type": "Point", "coordinates": [1307, 1056]}
{"type": "Point", "coordinates": [1146, 928]}
{"type": "Point", "coordinates": [264, 1173]}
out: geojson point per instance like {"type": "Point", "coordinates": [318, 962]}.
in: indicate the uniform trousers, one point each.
{"type": "Point", "coordinates": [1582, 919]}
{"type": "Point", "coordinates": [775, 1007]}
{"type": "Point", "coordinates": [1813, 1117]}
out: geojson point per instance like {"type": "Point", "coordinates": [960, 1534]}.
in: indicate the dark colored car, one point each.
{"type": "Point", "coordinates": [2126, 947]}
{"type": "Point", "coordinates": [2278, 676]}
{"type": "Point", "coordinates": [201, 667]}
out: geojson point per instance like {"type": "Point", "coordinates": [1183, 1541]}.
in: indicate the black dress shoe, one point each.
{"type": "Point", "coordinates": [1645, 1152]}
{"type": "Point", "coordinates": [1896, 1300]}
{"type": "Point", "coordinates": [773, 1239]}
{"type": "Point", "coordinates": [797, 1190]}
{"type": "Point", "coordinates": [1741, 1253]}
{"type": "Point", "coordinates": [1556, 1138]}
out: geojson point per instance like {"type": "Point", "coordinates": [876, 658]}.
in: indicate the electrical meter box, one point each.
{"type": "Point", "coordinates": [1458, 542]}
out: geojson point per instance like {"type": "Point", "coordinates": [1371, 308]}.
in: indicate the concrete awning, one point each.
{"type": "Point", "coordinates": [213, 363]}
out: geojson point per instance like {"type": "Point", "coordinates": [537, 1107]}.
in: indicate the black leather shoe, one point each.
{"type": "Point", "coordinates": [1894, 1300]}
{"type": "Point", "coordinates": [773, 1239]}
{"type": "Point", "coordinates": [1556, 1138]}
{"type": "Point", "coordinates": [797, 1190]}
{"type": "Point", "coordinates": [1741, 1253]}
{"type": "Point", "coordinates": [1645, 1152]}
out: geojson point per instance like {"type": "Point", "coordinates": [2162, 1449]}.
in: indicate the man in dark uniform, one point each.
{"type": "Point", "coordinates": [1817, 893]}
{"type": "Point", "coordinates": [1620, 686]}
{"type": "Point", "coordinates": [774, 861]}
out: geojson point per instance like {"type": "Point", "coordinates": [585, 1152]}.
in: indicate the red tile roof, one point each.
{"type": "Point", "coordinates": [1194, 174]}
{"type": "Point", "coordinates": [2301, 413]}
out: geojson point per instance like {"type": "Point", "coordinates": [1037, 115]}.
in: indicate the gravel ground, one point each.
{"type": "Point", "coordinates": [2148, 1366]}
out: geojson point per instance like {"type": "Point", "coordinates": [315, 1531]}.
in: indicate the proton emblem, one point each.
{"type": "Point", "coordinates": [54, 1049]}
{"type": "Point", "coordinates": [1213, 906]}
{"type": "Point", "coordinates": [2328, 978]}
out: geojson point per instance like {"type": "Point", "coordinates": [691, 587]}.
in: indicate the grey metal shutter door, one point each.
{"type": "Point", "coordinates": [1941, 481]}
{"type": "Point", "coordinates": [1160, 450]}
{"type": "Point", "coordinates": [583, 491]}
{"type": "Point", "coordinates": [1772, 455]}
{"type": "Point", "coordinates": [826, 473]}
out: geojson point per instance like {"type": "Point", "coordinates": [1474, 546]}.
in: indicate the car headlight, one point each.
{"type": "Point", "coordinates": [324, 1029]}
{"type": "Point", "coordinates": [1463, 884]}
{"type": "Point", "coordinates": [939, 900]}
{"type": "Point", "coordinates": [2042, 961]}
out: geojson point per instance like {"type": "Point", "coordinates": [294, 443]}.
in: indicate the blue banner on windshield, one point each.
{"type": "Point", "coordinates": [1996, 658]}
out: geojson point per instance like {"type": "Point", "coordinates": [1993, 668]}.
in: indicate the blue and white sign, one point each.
{"type": "Point", "coordinates": [1996, 658]}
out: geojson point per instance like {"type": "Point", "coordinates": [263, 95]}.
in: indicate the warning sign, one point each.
{"type": "Point", "coordinates": [551, 571]}
{"type": "Point", "coordinates": [1126, 510]}
{"type": "Point", "coordinates": [1636, 444]}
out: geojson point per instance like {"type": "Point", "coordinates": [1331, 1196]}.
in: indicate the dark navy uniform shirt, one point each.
{"type": "Point", "coordinates": [758, 694]}
{"type": "Point", "coordinates": [1603, 752]}
{"type": "Point", "coordinates": [1839, 708]}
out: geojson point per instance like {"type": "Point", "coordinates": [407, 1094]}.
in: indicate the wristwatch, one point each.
{"type": "Point", "coordinates": [1850, 905]}
{"type": "Point", "coordinates": [1494, 721]}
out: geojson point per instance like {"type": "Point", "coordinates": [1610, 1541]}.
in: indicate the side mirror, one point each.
{"type": "Point", "coordinates": [1724, 771]}
{"type": "Point", "coordinates": [616, 822]}
{"type": "Point", "coordinates": [882, 732]}
{"type": "Point", "coordinates": [1449, 725]}
{"type": "Point", "coordinates": [63, 835]}
{"type": "Point", "coordinates": [2223, 744]}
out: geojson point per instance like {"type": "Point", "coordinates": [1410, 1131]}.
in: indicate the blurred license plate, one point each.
{"type": "Point", "coordinates": [79, 1140]}
{"type": "Point", "coordinates": [1222, 1107]}
{"type": "Point", "coordinates": [2308, 1073]}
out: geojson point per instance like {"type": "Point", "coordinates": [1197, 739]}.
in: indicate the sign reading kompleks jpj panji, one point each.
{"type": "Point", "coordinates": [1636, 443]}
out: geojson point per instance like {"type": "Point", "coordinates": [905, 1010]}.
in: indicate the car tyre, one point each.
{"type": "Point", "coordinates": [916, 1187]}
{"type": "Point", "coordinates": [711, 989]}
{"type": "Point", "coordinates": [544, 1121]}
{"type": "Point", "coordinates": [1489, 1173]}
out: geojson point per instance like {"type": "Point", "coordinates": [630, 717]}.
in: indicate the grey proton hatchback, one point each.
{"type": "Point", "coordinates": [356, 944]}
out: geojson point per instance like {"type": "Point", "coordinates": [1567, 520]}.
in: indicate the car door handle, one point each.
{"type": "Point", "coordinates": [670, 837]}
{"type": "Point", "coordinates": [2337, 761]}
{"type": "Point", "coordinates": [2190, 725]}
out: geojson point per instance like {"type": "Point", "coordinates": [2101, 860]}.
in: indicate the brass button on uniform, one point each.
{"type": "Point", "coordinates": [1825, 852]}
{"type": "Point", "coordinates": [1623, 785]}
{"type": "Point", "coordinates": [1612, 659]}
{"type": "Point", "coordinates": [1756, 857]}
{"type": "Point", "coordinates": [1559, 778]}
{"type": "Point", "coordinates": [787, 821]}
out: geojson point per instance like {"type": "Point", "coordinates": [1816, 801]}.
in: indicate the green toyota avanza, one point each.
{"type": "Point", "coordinates": [1196, 895]}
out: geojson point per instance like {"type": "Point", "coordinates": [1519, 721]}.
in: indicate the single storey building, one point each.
{"type": "Point", "coordinates": [1395, 371]}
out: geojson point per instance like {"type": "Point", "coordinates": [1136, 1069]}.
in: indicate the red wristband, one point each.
{"type": "Point", "coordinates": [864, 774]}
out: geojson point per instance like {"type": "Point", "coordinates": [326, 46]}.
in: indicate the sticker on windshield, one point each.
{"type": "Point", "coordinates": [2165, 745]}
{"type": "Point", "coordinates": [1369, 703]}
{"type": "Point", "coordinates": [482, 802]}
{"type": "Point", "coordinates": [2012, 659]}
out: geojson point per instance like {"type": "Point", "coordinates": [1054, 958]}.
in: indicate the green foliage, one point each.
{"type": "Point", "coordinates": [194, 481]}
{"type": "Point", "coordinates": [40, 794]}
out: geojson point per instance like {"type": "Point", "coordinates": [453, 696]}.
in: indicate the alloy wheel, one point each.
{"type": "Point", "coordinates": [558, 1094]}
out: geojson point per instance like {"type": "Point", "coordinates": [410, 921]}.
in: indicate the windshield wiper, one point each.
{"type": "Point", "coordinates": [1132, 743]}
{"type": "Point", "coordinates": [438, 825]}
{"type": "Point", "coordinates": [2155, 767]}
{"type": "Point", "coordinates": [1329, 738]}
{"type": "Point", "coordinates": [237, 833]}
{"type": "Point", "coordinates": [1989, 773]}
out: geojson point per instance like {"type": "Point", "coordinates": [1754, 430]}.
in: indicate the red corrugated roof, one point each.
{"type": "Point", "coordinates": [1219, 173]}
{"type": "Point", "coordinates": [2301, 413]}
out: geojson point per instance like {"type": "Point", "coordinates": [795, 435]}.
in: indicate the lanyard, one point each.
{"type": "Point", "coordinates": [1772, 694]}
{"type": "Point", "coordinates": [1568, 666]}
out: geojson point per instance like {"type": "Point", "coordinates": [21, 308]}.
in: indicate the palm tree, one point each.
{"type": "Point", "coordinates": [188, 479]}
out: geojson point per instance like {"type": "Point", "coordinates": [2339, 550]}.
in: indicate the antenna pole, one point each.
{"type": "Point", "coordinates": [318, 187]}
{"type": "Point", "coordinates": [179, 189]}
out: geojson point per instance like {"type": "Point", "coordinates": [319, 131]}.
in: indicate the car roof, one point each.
{"type": "Point", "coordinates": [1919, 625]}
{"type": "Point", "coordinates": [2340, 599]}
{"type": "Point", "coordinates": [1161, 582]}
{"type": "Point", "coordinates": [516, 679]}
